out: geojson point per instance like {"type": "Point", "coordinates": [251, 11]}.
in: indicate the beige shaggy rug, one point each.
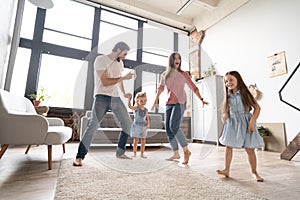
{"type": "Point", "coordinates": [152, 178]}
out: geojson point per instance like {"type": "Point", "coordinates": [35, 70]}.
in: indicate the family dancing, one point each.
{"type": "Point", "coordinates": [240, 130]}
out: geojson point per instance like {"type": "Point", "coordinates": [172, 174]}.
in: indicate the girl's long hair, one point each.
{"type": "Point", "coordinates": [171, 63]}
{"type": "Point", "coordinates": [247, 98]}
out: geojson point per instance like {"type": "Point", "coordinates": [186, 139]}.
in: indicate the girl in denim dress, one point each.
{"type": "Point", "coordinates": [240, 130]}
{"type": "Point", "coordinates": [140, 123]}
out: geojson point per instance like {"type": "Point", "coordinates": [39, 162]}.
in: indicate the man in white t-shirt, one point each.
{"type": "Point", "coordinates": [107, 79]}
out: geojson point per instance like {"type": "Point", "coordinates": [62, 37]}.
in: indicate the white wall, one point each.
{"type": "Point", "coordinates": [6, 23]}
{"type": "Point", "coordinates": [243, 41]}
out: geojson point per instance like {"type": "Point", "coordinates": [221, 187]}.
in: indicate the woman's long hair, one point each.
{"type": "Point", "coordinates": [247, 98]}
{"type": "Point", "coordinates": [171, 63]}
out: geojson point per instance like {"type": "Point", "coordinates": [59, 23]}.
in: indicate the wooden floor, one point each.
{"type": "Point", "coordinates": [26, 176]}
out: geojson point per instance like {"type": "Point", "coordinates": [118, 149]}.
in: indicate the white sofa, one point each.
{"type": "Point", "coordinates": [21, 125]}
{"type": "Point", "coordinates": [109, 129]}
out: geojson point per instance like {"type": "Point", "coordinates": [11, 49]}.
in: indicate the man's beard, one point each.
{"type": "Point", "coordinates": [118, 59]}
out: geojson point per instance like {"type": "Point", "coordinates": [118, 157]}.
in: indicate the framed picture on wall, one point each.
{"type": "Point", "coordinates": [277, 64]}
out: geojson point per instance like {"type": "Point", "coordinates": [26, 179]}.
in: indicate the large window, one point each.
{"type": "Point", "coordinates": [64, 80]}
{"type": "Point", "coordinates": [59, 57]}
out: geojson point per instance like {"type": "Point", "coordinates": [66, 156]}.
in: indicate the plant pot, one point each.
{"type": "Point", "coordinates": [36, 102]}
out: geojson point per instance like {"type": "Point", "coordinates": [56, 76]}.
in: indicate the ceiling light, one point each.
{"type": "Point", "coordinates": [45, 4]}
{"type": "Point", "coordinates": [184, 7]}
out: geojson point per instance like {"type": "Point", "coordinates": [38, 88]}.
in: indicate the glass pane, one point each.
{"type": "Point", "coordinates": [129, 88]}
{"type": "Point", "coordinates": [19, 76]}
{"type": "Point", "coordinates": [28, 20]}
{"type": "Point", "coordinates": [119, 19]}
{"type": "Point", "coordinates": [111, 34]}
{"type": "Point", "coordinates": [157, 39]}
{"type": "Point", "coordinates": [67, 40]}
{"type": "Point", "coordinates": [71, 17]}
{"type": "Point", "coordinates": [183, 49]}
{"type": "Point", "coordinates": [64, 79]}
{"type": "Point", "coordinates": [156, 59]}
{"type": "Point", "coordinates": [149, 85]}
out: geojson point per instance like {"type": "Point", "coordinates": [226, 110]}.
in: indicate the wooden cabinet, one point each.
{"type": "Point", "coordinates": [206, 121]}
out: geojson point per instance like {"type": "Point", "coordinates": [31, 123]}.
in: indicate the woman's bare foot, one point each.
{"type": "Point", "coordinates": [223, 172]}
{"type": "Point", "coordinates": [257, 177]}
{"type": "Point", "coordinates": [187, 155]}
{"type": "Point", "coordinates": [174, 157]}
{"type": "Point", "coordinates": [143, 156]}
{"type": "Point", "coordinates": [77, 162]}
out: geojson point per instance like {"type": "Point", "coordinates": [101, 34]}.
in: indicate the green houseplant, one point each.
{"type": "Point", "coordinates": [210, 71]}
{"type": "Point", "coordinates": [263, 132]}
{"type": "Point", "coordinates": [39, 97]}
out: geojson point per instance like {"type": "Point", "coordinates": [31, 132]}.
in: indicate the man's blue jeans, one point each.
{"type": "Point", "coordinates": [173, 118]}
{"type": "Point", "coordinates": [101, 105]}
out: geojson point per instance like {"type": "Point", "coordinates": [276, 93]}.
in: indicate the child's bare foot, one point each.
{"type": "Point", "coordinates": [187, 155]}
{"type": "Point", "coordinates": [223, 172]}
{"type": "Point", "coordinates": [174, 157]}
{"type": "Point", "coordinates": [257, 177]}
{"type": "Point", "coordinates": [77, 162]}
{"type": "Point", "coordinates": [134, 154]}
{"type": "Point", "coordinates": [143, 156]}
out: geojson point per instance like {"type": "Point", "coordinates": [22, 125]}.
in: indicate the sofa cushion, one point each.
{"type": "Point", "coordinates": [156, 121]}
{"type": "Point", "coordinates": [111, 121]}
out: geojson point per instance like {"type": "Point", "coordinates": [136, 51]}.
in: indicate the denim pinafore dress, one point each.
{"type": "Point", "coordinates": [235, 132]}
{"type": "Point", "coordinates": [138, 128]}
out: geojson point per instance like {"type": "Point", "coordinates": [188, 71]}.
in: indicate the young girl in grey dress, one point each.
{"type": "Point", "coordinates": [140, 123]}
{"type": "Point", "coordinates": [240, 130]}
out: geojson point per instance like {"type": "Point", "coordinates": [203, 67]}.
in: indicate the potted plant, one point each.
{"type": "Point", "coordinates": [210, 71]}
{"type": "Point", "coordinates": [39, 97]}
{"type": "Point", "coordinates": [263, 132]}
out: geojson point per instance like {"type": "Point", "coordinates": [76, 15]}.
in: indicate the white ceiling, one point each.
{"type": "Point", "coordinates": [199, 14]}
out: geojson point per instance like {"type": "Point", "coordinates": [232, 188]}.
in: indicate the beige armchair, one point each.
{"type": "Point", "coordinates": [20, 124]}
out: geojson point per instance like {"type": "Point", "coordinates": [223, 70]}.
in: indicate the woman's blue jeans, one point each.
{"type": "Point", "coordinates": [102, 104]}
{"type": "Point", "coordinates": [173, 118]}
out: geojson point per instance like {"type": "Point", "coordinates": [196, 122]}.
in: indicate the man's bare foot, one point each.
{"type": "Point", "coordinates": [257, 177]}
{"type": "Point", "coordinates": [143, 156]}
{"type": "Point", "coordinates": [124, 157]}
{"type": "Point", "coordinates": [187, 155]}
{"type": "Point", "coordinates": [223, 172]}
{"type": "Point", "coordinates": [77, 162]}
{"type": "Point", "coordinates": [174, 157]}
